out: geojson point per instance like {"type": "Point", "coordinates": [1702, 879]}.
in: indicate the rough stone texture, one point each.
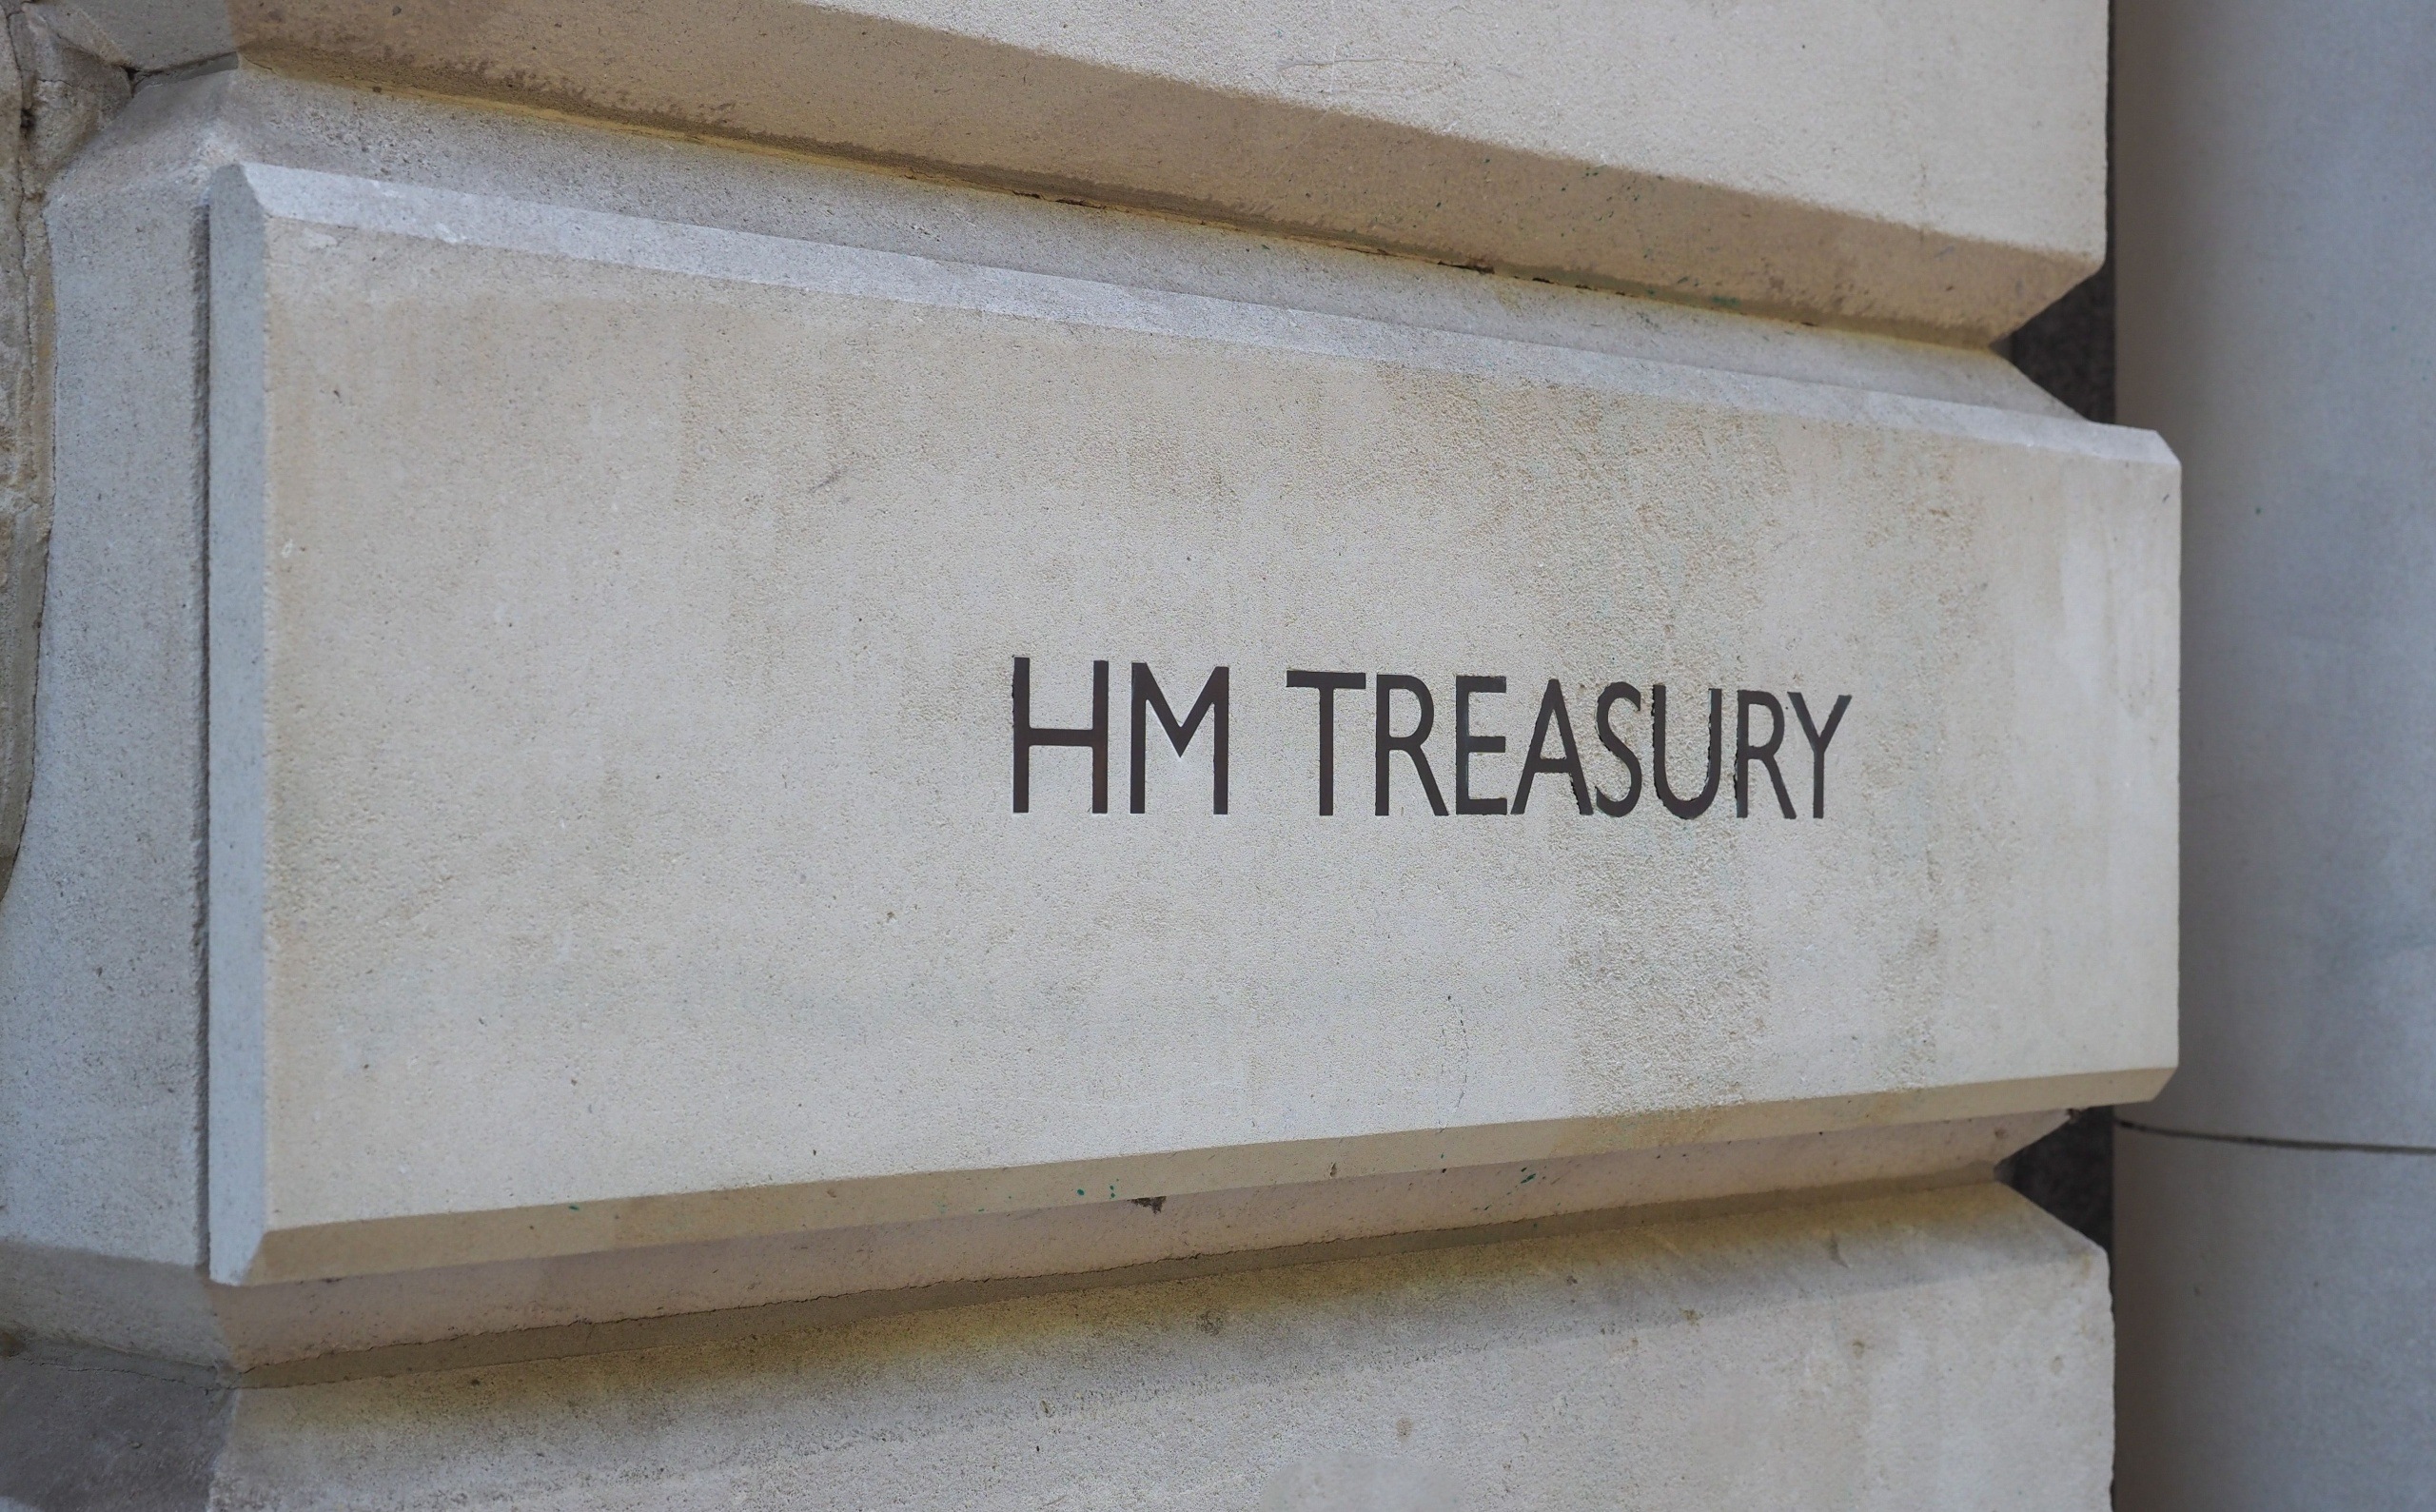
{"type": "Point", "coordinates": [1933, 1351]}
{"type": "Point", "coordinates": [100, 966]}
{"type": "Point", "coordinates": [24, 520]}
{"type": "Point", "coordinates": [1936, 1348]}
{"type": "Point", "coordinates": [2278, 1317]}
{"type": "Point", "coordinates": [56, 96]}
{"type": "Point", "coordinates": [102, 1146]}
{"type": "Point", "coordinates": [508, 832]}
{"type": "Point", "coordinates": [82, 1432]}
{"type": "Point", "coordinates": [100, 951]}
{"type": "Point", "coordinates": [1915, 163]}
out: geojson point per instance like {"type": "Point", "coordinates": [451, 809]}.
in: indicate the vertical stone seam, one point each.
{"type": "Point", "coordinates": [24, 512]}
{"type": "Point", "coordinates": [199, 262]}
{"type": "Point", "coordinates": [2068, 349]}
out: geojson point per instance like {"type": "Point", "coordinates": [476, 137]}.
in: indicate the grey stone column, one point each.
{"type": "Point", "coordinates": [2276, 1208]}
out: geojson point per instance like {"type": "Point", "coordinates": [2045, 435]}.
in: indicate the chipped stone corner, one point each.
{"type": "Point", "coordinates": [62, 79]}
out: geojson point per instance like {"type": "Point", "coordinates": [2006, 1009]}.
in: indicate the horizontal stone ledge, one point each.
{"type": "Point", "coordinates": [1704, 365]}
{"type": "Point", "coordinates": [376, 1246]}
{"type": "Point", "coordinates": [273, 1357]}
{"type": "Point", "coordinates": [1929, 172]}
{"type": "Point", "coordinates": [651, 1295]}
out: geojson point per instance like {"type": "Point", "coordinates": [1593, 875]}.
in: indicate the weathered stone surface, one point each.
{"type": "Point", "coordinates": [1931, 1351]}
{"type": "Point", "coordinates": [101, 1072]}
{"type": "Point", "coordinates": [100, 960]}
{"type": "Point", "coordinates": [101, 981]}
{"type": "Point", "coordinates": [537, 894]}
{"type": "Point", "coordinates": [611, 818]}
{"type": "Point", "coordinates": [86, 1434]}
{"type": "Point", "coordinates": [58, 94]}
{"type": "Point", "coordinates": [1914, 165]}
{"type": "Point", "coordinates": [643, 1297]}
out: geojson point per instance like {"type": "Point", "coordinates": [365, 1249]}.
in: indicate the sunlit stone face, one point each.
{"type": "Point", "coordinates": [713, 735]}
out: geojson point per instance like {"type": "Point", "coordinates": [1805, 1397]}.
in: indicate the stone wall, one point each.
{"type": "Point", "coordinates": [1141, 761]}
{"type": "Point", "coordinates": [59, 90]}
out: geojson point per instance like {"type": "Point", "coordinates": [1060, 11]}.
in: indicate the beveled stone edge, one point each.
{"type": "Point", "coordinates": [376, 1246]}
{"type": "Point", "coordinates": [685, 250]}
{"type": "Point", "coordinates": [638, 1333]}
{"type": "Point", "coordinates": [858, 87]}
{"type": "Point", "coordinates": [54, 1298]}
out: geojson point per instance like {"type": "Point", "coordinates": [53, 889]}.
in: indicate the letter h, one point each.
{"type": "Point", "coordinates": [1028, 736]}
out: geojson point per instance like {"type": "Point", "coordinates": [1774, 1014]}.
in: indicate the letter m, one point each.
{"type": "Point", "coordinates": [1212, 705]}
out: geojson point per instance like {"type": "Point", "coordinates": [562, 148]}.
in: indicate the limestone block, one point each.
{"type": "Point", "coordinates": [100, 980]}
{"type": "Point", "coordinates": [619, 631]}
{"type": "Point", "coordinates": [59, 94]}
{"type": "Point", "coordinates": [101, 1052]}
{"type": "Point", "coordinates": [1916, 165]}
{"type": "Point", "coordinates": [1933, 1351]}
